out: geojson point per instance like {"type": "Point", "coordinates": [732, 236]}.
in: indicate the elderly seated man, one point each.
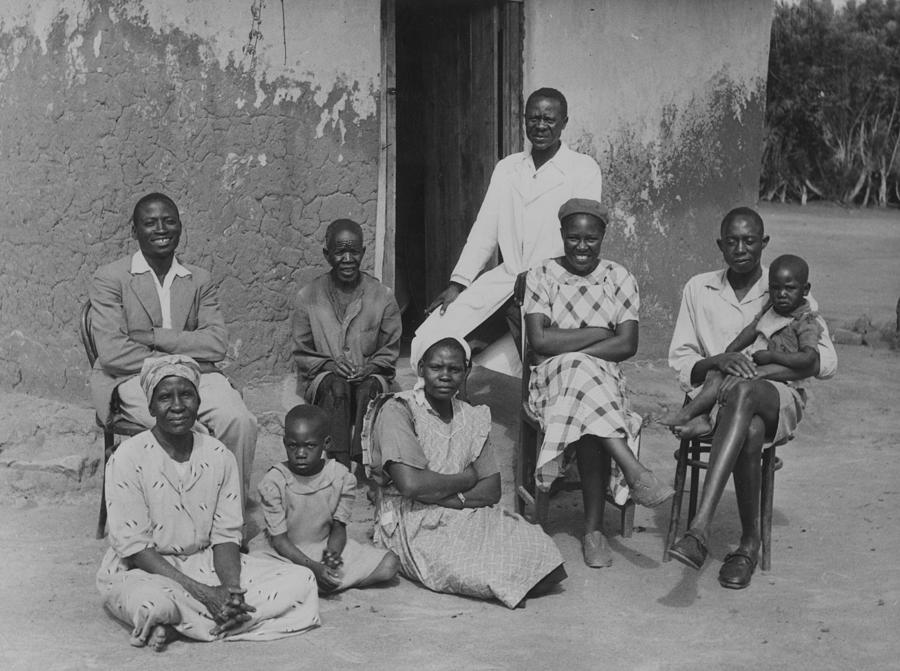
{"type": "Point", "coordinates": [346, 332]}
{"type": "Point", "coordinates": [149, 305]}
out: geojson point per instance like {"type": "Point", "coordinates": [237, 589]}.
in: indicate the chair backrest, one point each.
{"type": "Point", "coordinates": [87, 336]}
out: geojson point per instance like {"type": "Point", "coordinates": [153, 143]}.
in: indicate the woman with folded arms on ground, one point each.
{"type": "Point", "coordinates": [581, 317]}
{"type": "Point", "coordinates": [439, 486]}
{"type": "Point", "coordinates": [174, 565]}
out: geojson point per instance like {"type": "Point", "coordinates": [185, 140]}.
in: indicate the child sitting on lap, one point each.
{"type": "Point", "coordinates": [307, 501]}
{"type": "Point", "coordinates": [787, 324]}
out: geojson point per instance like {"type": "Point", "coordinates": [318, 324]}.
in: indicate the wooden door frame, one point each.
{"type": "Point", "coordinates": [511, 24]}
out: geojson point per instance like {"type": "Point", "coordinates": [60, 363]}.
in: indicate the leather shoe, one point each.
{"type": "Point", "coordinates": [689, 550]}
{"type": "Point", "coordinates": [737, 570]}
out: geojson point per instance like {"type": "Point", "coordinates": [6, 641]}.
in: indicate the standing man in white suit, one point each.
{"type": "Point", "coordinates": [518, 216]}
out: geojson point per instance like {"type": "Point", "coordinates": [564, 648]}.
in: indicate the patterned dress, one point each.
{"type": "Point", "coordinates": [485, 552]}
{"type": "Point", "coordinates": [304, 507]}
{"type": "Point", "coordinates": [152, 505]}
{"type": "Point", "coordinates": [577, 394]}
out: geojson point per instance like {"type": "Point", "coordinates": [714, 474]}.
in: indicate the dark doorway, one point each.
{"type": "Point", "coordinates": [458, 107]}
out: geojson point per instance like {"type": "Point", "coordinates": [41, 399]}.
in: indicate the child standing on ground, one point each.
{"type": "Point", "coordinates": [307, 501]}
{"type": "Point", "coordinates": [785, 333]}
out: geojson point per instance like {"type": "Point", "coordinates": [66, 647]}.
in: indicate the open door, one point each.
{"type": "Point", "coordinates": [454, 109]}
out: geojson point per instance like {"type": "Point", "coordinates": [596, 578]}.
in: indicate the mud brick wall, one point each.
{"type": "Point", "coordinates": [262, 131]}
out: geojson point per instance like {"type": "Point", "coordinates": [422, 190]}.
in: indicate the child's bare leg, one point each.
{"type": "Point", "coordinates": [386, 570]}
{"type": "Point", "coordinates": [700, 425]}
{"type": "Point", "coordinates": [701, 404]}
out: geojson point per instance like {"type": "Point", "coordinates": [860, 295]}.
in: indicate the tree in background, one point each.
{"type": "Point", "coordinates": [833, 103]}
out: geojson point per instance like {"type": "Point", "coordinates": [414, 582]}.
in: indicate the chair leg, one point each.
{"type": "Point", "coordinates": [695, 480]}
{"type": "Point", "coordinates": [541, 506]}
{"type": "Point", "coordinates": [108, 447]}
{"type": "Point", "coordinates": [627, 513]}
{"type": "Point", "coordinates": [766, 502]}
{"type": "Point", "coordinates": [675, 515]}
{"type": "Point", "coordinates": [523, 467]}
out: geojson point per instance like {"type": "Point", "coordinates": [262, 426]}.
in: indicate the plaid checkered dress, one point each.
{"type": "Point", "coordinates": [577, 394]}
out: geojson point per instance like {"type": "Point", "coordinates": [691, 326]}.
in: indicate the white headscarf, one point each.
{"type": "Point", "coordinates": [423, 342]}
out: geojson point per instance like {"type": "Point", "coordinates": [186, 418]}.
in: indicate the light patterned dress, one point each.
{"type": "Point", "coordinates": [577, 394]}
{"type": "Point", "coordinates": [152, 505]}
{"type": "Point", "coordinates": [305, 507]}
{"type": "Point", "coordinates": [485, 552]}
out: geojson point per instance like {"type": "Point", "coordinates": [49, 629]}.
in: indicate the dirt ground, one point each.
{"type": "Point", "coordinates": [830, 601]}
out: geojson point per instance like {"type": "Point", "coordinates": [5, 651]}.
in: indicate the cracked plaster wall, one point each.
{"type": "Point", "coordinates": [102, 101]}
{"type": "Point", "coordinates": [669, 98]}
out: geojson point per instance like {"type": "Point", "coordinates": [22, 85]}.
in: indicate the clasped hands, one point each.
{"type": "Point", "coordinates": [226, 605]}
{"type": "Point", "coordinates": [349, 369]}
{"type": "Point", "coordinates": [327, 572]}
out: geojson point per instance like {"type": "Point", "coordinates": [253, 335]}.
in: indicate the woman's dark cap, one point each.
{"type": "Point", "coordinates": [584, 206]}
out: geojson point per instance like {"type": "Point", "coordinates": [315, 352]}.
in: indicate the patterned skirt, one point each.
{"type": "Point", "coordinates": [285, 596]}
{"type": "Point", "coordinates": [489, 553]}
{"type": "Point", "coordinates": [576, 395]}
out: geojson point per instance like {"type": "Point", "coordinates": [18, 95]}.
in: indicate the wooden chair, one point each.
{"type": "Point", "coordinates": [690, 453]}
{"type": "Point", "coordinates": [530, 501]}
{"type": "Point", "coordinates": [115, 426]}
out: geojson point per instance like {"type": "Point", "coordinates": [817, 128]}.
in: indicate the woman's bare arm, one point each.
{"type": "Point", "coordinates": [428, 486]}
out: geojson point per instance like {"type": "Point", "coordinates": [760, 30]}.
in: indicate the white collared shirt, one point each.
{"type": "Point", "coordinates": [711, 316]}
{"type": "Point", "coordinates": [139, 265]}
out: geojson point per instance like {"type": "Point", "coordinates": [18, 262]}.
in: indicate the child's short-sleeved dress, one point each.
{"type": "Point", "coordinates": [788, 333]}
{"type": "Point", "coordinates": [303, 507]}
{"type": "Point", "coordinates": [576, 394]}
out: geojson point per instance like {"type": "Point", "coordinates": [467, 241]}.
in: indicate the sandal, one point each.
{"type": "Point", "coordinates": [689, 550]}
{"type": "Point", "coordinates": [737, 570]}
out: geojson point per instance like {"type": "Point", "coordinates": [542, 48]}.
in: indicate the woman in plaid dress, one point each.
{"type": "Point", "coordinates": [581, 315]}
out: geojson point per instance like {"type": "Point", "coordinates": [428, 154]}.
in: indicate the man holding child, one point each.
{"type": "Point", "coordinates": [758, 404]}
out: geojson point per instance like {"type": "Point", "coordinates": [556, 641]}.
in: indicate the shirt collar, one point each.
{"type": "Point", "coordinates": [718, 280]}
{"type": "Point", "coordinates": [139, 265]}
{"type": "Point", "coordinates": [557, 161]}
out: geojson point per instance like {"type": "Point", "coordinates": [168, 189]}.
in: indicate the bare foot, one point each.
{"type": "Point", "coordinates": [677, 418]}
{"type": "Point", "coordinates": [161, 635]}
{"type": "Point", "coordinates": [155, 635]}
{"type": "Point", "coordinates": [698, 426]}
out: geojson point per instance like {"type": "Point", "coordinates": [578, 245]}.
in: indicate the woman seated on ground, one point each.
{"type": "Point", "coordinates": [438, 489]}
{"type": "Point", "coordinates": [581, 316]}
{"type": "Point", "coordinates": [175, 521]}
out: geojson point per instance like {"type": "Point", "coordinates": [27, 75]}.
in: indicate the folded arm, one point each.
{"type": "Point", "coordinates": [427, 486]}
{"type": "Point", "coordinates": [208, 341]}
{"type": "Point", "coordinates": [600, 342]}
